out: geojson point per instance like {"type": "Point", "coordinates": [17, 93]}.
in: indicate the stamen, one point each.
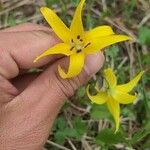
{"type": "Point", "coordinates": [72, 41]}
{"type": "Point", "coordinates": [78, 37]}
{"type": "Point", "coordinates": [87, 45]}
{"type": "Point", "coordinates": [81, 40]}
{"type": "Point", "coordinates": [78, 51]}
{"type": "Point", "coordinates": [71, 48]}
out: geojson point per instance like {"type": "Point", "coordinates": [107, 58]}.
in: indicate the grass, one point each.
{"type": "Point", "coordinates": [81, 125]}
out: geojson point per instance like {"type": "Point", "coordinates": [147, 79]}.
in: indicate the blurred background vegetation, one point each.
{"type": "Point", "coordinates": [81, 125]}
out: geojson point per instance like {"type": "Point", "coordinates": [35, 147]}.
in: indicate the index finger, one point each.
{"type": "Point", "coordinates": [18, 49]}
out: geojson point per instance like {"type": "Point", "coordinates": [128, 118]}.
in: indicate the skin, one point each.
{"type": "Point", "coordinates": [29, 103]}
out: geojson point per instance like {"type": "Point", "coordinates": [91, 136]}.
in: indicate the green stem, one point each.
{"type": "Point", "coordinates": [143, 85]}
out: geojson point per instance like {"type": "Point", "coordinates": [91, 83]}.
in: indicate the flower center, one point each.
{"type": "Point", "coordinates": [78, 44]}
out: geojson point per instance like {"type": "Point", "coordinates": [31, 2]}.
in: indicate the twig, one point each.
{"type": "Point", "coordinates": [68, 119]}
{"type": "Point", "coordinates": [71, 144]}
{"type": "Point", "coordinates": [104, 5]}
{"type": "Point", "coordinates": [144, 20]}
{"type": "Point", "coordinates": [145, 4]}
{"type": "Point", "coordinates": [105, 124]}
{"type": "Point", "coordinates": [130, 129]}
{"type": "Point", "coordinates": [57, 145]}
{"type": "Point", "coordinates": [29, 19]}
{"type": "Point", "coordinates": [89, 138]}
{"type": "Point", "coordinates": [86, 145]}
{"type": "Point", "coordinates": [21, 3]}
{"type": "Point", "coordinates": [130, 51]}
{"type": "Point", "coordinates": [122, 62]}
{"type": "Point", "coordinates": [100, 125]}
{"type": "Point", "coordinates": [78, 108]}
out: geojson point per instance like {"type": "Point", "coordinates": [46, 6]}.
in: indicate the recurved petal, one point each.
{"type": "Point", "coordinates": [100, 98]}
{"type": "Point", "coordinates": [124, 98]}
{"type": "Point", "coordinates": [114, 108]}
{"type": "Point", "coordinates": [57, 25]}
{"type": "Point", "coordinates": [97, 32]}
{"type": "Point", "coordinates": [98, 44]}
{"type": "Point", "coordinates": [75, 66]}
{"type": "Point", "coordinates": [110, 77]}
{"type": "Point", "coordinates": [77, 24]}
{"type": "Point", "coordinates": [130, 85]}
{"type": "Point", "coordinates": [61, 48]}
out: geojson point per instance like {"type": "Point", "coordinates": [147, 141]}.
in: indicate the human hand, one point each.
{"type": "Point", "coordinates": [29, 103]}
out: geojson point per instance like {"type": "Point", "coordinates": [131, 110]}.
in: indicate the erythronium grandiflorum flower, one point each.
{"type": "Point", "coordinates": [114, 95]}
{"type": "Point", "coordinates": [77, 43]}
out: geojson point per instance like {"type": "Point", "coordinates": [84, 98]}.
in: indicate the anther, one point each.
{"type": "Point", "coordinates": [71, 48]}
{"type": "Point", "coordinates": [78, 37]}
{"type": "Point", "coordinates": [81, 40]}
{"type": "Point", "coordinates": [78, 51]}
{"type": "Point", "coordinates": [87, 45]}
{"type": "Point", "coordinates": [72, 41]}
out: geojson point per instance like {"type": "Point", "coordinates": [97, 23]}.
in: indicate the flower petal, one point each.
{"type": "Point", "coordinates": [100, 98]}
{"type": "Point", "coordinates": [98, 32]}
{"type": "Point", "coordinates": [61, 48]}
{"type": "Point", "coordinates": [110, 77]}
{"type": "Point", "coordinates": [114, 108]}
{"type": "Point", "coordinates": [130, 85]}
{"type": "Point", "coordinates": [75, 66]}
{"type": "Point", "coordinates": [124, 98]}
{"type": "Point", "coordinates": [57, 25]}
{"type": "Point", "coordinates": [77, 24]}
{"type": "Point", "coordinates": [99, 43]}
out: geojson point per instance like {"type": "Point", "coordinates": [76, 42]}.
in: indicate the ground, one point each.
{"type": "Point", "coordinates": [81, 125]}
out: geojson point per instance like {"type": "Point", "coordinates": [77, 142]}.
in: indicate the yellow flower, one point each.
{"type": "Point", "coordinates": [114, 95]}
{"type": "Point", "coordinates": [77, 43]}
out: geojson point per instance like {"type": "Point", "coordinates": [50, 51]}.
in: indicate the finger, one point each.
{"type": "Point", "coordinates": [22, 81]}
{"type": "Point", "coordinates": [7, 91]}
{"type": "Point", "coordinates": [26, 27]}
{"type": "Point", "coordinates": [45, 96]}
{"type": "Point", "coordinates": [19, 49]}
{"type": "Point", "coordinates": [26, 77]}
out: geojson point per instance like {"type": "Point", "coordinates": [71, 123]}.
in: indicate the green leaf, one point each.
{"type": "Point", "coordinates": [69, 132]}
{"type": "Point", "coordinates": [80, 127]}
{"type": "Point", "coordinates": [81, 92]}
{"type": "Point", "coordinates": [138, 136]}
{"type": "Point", "coordinates": [146, 59]}
{"type": "Point", "coordinates": [129, 8]}
{"type": "Point", "coordinates": [144, 35]}
{"type": "Point", "coordinates": [50, 2]}
{"type": "Point", "coordinates": [59, 137]}
{"type": "Point", "coordinates": [60, 123]}
{"type": "Point", "coordinates": [108, 137]}
{"type": "Point", "coordinates": [127, 111]}
{"type": "Point", "coordinates": [89, 21]}
{"type": "Point", "coordinates": [35, 70]}
{"type": "Point", "coordinates": [75, 2]}
{"type": "Point", "coordinates": [146, 144]}
{"type": "Point", "coordinates": [99, 112]}
{"type": "Point", "coordinates": [112, 52]}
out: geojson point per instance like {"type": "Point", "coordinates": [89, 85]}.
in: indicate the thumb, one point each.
{"type": "Point", "coordinates": [50, 89]}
